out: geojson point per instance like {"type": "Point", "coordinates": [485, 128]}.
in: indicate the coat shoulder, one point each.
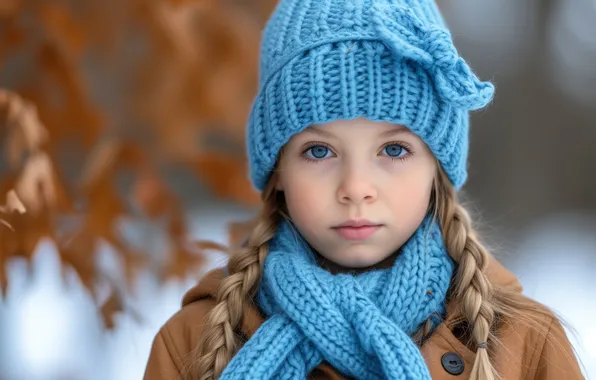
{"type": "Point", "coordinates": [539, 346]}
{"type": "Point", "coordinates": [177, 338]}
{"type": "Point", "coordinates": [557, 358]}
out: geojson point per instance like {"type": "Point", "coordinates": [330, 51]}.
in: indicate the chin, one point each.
{"type": "Point", "coordinates": [359, 262]}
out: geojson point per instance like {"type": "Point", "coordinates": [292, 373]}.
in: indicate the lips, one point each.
{"type": "Point", "coordinates": [357, 223]}
{"type": "Point", "coordinates": [357, 229]}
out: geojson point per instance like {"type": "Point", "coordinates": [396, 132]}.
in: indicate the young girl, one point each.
{"type": "Point", "coordinates": [362, 263]}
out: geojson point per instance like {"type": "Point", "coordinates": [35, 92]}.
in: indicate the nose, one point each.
{"type": "Point", "coordinates": [356, 186]}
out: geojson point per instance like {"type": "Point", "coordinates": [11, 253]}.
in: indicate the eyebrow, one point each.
{"type": "Point", "coordinates": [320, 132]}
{"type": "Point", "coordinates": [394, 131]}
{"type": "Point", "coordinates": [391, 132]}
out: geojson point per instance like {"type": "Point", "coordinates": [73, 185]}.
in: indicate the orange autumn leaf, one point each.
{"type": "Point", "coordinates": [204, 245]}
{"type": "Point", "coordinates": [105, 158]}
{"type": "Point", "coordinates": [36, 185]}
{"type": "Point", "coordinates": [3, 276]}
{"type": "Point", "coordinates": [60, 24]}
{"type": "Point", "coordinates": [26, 132]}
{"type": "Point", "coordinates": [101, 163]}
{"type": "Point", "coordinates": [110, 308]}
{"type": "Point", "coordinates": [27, 231]}
{"type": "Point", "coordinates": [74, 132]}
{"type": "Point", "coordinates": [77, 109]}
{"type": "Point", "coordinates": [115, 304]}
{"type": "Point", "coordinates": [104, 207]}
{"type": "Point", "coordinates": [151, 195]}
{"type": "Point", "coordinates": [8, 8]}
{"type": "Point", "coordinates": [6, 224]}
{"type": "Point", "coordinates": [227, 177]}
{"type": "Point", "coordinates": [177, 228]}
{"type": "Point", "coordinates": [182, 261]}
{"type": "Point", "coordinates": [132, 260]}
{"type": "Point", "coordinates": [79, 254]}
{"type": "Point", "coordinates": [11, 37]}
{"type": "Point", "coordinates": [13, 204]}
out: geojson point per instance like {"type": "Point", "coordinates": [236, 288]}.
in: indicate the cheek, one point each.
{"type": "Point", "coordinates": [410, 194]}
{"type": "Point", "coordinates": [303, 198]}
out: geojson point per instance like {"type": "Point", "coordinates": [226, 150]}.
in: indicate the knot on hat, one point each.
{"type": "Point", "coordinates": [431, 47]}
{"type": "Point", "coordinates": [437, 42]}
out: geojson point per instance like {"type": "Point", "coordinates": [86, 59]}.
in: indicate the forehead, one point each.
{"type": "Point", "coordinates": [357, 127]}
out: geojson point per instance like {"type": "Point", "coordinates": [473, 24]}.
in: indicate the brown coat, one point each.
{"type": "Point", "coordinates": [525, 354]}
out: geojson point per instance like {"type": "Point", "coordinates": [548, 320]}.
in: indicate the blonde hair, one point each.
{"type": "Point", "coordinates": [482, 305]}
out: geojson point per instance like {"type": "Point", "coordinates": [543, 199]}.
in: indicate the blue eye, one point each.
{"type": "Point", "coordinates": [317, 151]}
{"type": "Point", "coordinates": [394, 150]}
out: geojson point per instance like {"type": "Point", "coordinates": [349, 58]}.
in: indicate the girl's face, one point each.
{"type": "Point", "coordinates": [356, 189]}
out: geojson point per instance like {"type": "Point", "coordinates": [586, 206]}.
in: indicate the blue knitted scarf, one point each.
{"type": "Point", "coordinates": [361, 324]}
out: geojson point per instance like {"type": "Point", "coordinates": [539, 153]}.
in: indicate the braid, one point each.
{"type": "Point", "coordinates": [471, 285]}
{"type": "Point", "coordinates": [218, 342]}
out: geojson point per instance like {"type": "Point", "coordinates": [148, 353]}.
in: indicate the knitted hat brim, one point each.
{"type": "Point", "coordinates": [349, 79]}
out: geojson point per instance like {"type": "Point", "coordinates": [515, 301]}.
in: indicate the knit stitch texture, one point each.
{"type": "Point", "coordinates": [385, 60]}
{"type": "Point", "coordinates": [360, 324]}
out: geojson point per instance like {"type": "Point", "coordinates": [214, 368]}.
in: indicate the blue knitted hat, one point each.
{"type": "Point", "coordinates": [385, 60]}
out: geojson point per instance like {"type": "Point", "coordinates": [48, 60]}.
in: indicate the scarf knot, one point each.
{"type": "Point", "coordinates": [361, 324]}
{"type": "Point", "coordinates": [366, 325]}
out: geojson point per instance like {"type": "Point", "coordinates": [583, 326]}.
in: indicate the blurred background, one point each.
{"type": "Point", "coordinates": [122, 132]}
